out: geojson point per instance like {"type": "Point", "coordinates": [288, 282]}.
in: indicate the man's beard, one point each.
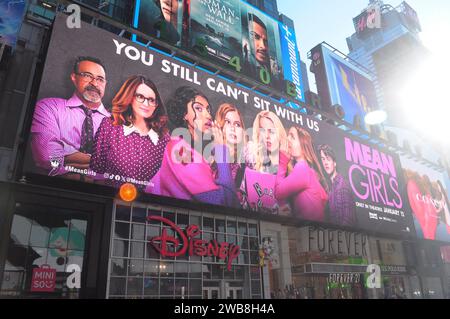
{"type": "Point", "coordinates": [92, 94]}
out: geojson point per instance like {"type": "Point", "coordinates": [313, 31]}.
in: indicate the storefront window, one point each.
{"type": "Point", "coordinates": [45, 244]}
{"type": "Point", "coordinates": [149, 275]}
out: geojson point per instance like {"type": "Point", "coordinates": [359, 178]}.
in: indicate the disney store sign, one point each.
{"type": "Point", "coordinates": [187, 242]}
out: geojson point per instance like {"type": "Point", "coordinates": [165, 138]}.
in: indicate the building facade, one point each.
{"type": "Point", "coordinates": [67, 239]}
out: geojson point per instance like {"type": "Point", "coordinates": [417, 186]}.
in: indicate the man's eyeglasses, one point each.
{"type": "Point", "coordinates": [88, 77]}
{"type": "Point", "coordinates": [141, 99]}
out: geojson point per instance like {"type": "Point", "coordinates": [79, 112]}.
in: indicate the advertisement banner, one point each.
{"type": "Point", "coordinates": [340, 82]}
{"type": "Point", "coordinates": [229, 33]}
{"type": "Point", "coordinates": [112, 112]}
{"type": "Point", "coordinates": [428, 198]}
{"type": "Point", "coordinates": [11, 20]}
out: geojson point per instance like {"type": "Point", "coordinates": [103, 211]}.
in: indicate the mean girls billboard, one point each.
{"type": "Point", "coordinates": [230, 33]}
{"type": "Point", "coordinates": [111, 112]}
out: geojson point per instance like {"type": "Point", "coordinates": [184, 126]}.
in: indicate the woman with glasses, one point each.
{"type": "Point", "coordinates": [185, 172]}
{"type": "Point", "coordinates": [130, 145]}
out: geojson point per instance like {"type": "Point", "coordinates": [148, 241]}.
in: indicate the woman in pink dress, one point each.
{"type": "Point", "coordinates": [305, 185]}
{"type": "Point", "coordinates": [185, 173]}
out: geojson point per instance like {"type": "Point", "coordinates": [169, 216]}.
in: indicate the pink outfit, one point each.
{"type": "Point", "coordinates": [182, 179]}
{"type": "Point", "coordinates": [303, 187]}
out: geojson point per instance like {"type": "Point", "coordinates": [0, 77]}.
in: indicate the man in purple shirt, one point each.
{"type": "Point", "coordinates": [341, 200]}
{"type": "Point", "coordinates": [63, 130]}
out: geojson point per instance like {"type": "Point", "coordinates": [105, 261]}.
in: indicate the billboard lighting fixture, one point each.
{"type": "Point", "coordinates": [47, 5]}
{"type": "Point", "coordinates": [375, 117]}
{"type": "Point", "coordinates": [128, 192]}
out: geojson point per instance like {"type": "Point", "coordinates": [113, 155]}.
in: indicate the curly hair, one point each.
{"type": "Point", "coordinates": [177, 105]}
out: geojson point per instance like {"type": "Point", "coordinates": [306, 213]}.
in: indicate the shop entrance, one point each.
{"type": "Point", "coordinates": [211, 293]}
{"type": "Point", "coordinates": [51, 248]}
{"type": "Point", "coordinates": [234, 293]}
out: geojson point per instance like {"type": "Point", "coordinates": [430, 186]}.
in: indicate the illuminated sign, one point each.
{"type": "Point", "coordinates": [368, 20]}
{"type": "Point", "coordinates": [206, 139]}
{"type": "Point", "coordinates": [189, 244]}
{"type": "Point", "coordinates": [229, 33]}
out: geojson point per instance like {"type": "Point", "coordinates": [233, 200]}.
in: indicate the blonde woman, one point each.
{"type": "Point", "coordinates": [262, 161]}
{"type": "Point", "coordinates": [269, 136]}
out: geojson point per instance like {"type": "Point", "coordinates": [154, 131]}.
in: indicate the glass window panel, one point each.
{"type": "Point", "coordinates": [243, 242]}
{"type": "Point", "coordinates": [254, 257]}
{"type": "Point", "coordinates": [77, 235]}
{"type": "Point", "coordinates": [195, 220]}
{"type": "Point", "coordinates": [220, 225]}
{"type": "Point", "coordinates": [135, 286]}
{"type": "Point", "coordinates": [117, 286]}
{"type": "Point", "coordinates": [58, 238]}
{"type": "Point", "coordinates": [256, 287]}
{"type": "Point", "coordinates": [136, 267]}
{"type": "Point", "coordinates": [220, 238]}
{"type": "Point", "coordinates": [240, 272]}
{"type": "Point", "coordinates": [246, 255]}
{"type": "Point", "coordinates": [231, 239]}
{"type": "Point", "coordinates": [183, 220]}
{"type": "Point", "coordinates": [181, 270]}
{"type": "Point", "coordinates": [17, 255]}
{"type": "Point", "coordinates": [119, 267]}
{"type": "Point", "coordinates": [39, 236]}
{"type": "Point", "coordinates": [151, 286]}
{"type": "Point", "coordinates": [120, 248]}
{"type": "Point", "coordinates": [167, 286]}
{"type": "Point", "coordinates": [208, 224]}
{"type": "Point", "coordinates": [195, 287]}
{"type": "Point", "coordinates": [208, 236]}
{"type": "Point", "coordinates": [195, 270]}
{"type": "Point", "coordinates": [75, 257]}
{"type": "Point", "coordinates": [137, 232]}
{"type": "Point", "coordinates": [152, 212]}
{"type": "Point", "coordinates": [195, 258]}
{"type": "Point", "coordinates": [20, 230]}
{"type": "Point", "coordinates": [179, 284]}
{"type": "Point", "coordinates": [123, 213]}
{"type": "Point", "coordinates": [217, 272]}
{"type": "Point", "coordinates": [228, 274]}
{"type": "Point", "coordinates": [139, 215]}
{"type": "Point", "coordinates": [152, 231]}
{"type": "Point", "coordinates": [122, 230]}
{"type": "Point", "coordinates": [253, 230]}
{"type": "Point", "coordinates": [151, 268]}
{"type": "Point", "coordinates": [166, 269]}
{"type": "Point", "coordinates": [231, 227]}
{"type": "Point", "coordinates": [242, 228]}
{"type": "Point", "coordinates": [170, 216]}
{"type": "Point", "coordinates": [254, 245]}
{"type": "Point", "coordinates": [137, 250]}
{"type": "Point", "coordinates": [151, 252]}
{"type": "Point", "coordinates": [254, 272]}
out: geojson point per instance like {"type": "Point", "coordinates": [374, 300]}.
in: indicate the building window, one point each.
{"type": "Point", "coordinates": [137, 270]}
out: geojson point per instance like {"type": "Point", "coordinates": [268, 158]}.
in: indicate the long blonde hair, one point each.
{"type": "Point", "coordinates": [258, 148]}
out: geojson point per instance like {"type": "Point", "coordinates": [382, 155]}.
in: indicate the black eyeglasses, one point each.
{"type": "Point", "coordinates": [88, 77]}
{"type": "Point", "coordinates": [141, 99]}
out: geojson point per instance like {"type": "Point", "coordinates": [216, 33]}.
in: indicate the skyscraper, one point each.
{"type": "Point", "coordinates": [268, 6]}
{"type": "Point", "coordinates": [388, 45]}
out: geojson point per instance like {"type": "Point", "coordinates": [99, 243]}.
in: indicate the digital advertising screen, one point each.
{"type": "Point", "coordinates": [111, 112]}
{"type": "Point", "coordinates": [229, 33]}
{"type": "Point", "coordinates": [428, 198]}
{"type": "Point", "coordinates": [340, 82]}
{"type": "Point", "coordinates": [10, 20]}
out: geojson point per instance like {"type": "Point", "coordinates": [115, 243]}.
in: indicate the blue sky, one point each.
{"type": "Point", "coordinates": [332, 21]}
